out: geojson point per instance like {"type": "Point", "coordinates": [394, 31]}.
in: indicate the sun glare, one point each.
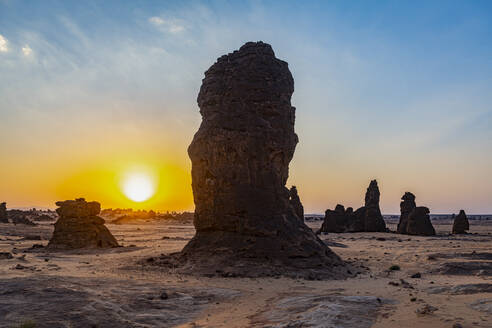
{"type": "Point", "coordinates": [138, 187]}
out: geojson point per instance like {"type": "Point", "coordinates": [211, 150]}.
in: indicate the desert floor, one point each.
{"type": "Point", "coordinates": [108, 288]}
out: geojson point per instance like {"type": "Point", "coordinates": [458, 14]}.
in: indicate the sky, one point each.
{"type": "Point", "coordinates": [398, 91]}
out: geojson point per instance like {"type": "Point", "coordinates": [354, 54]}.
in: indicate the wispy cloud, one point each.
{"type": "Point", "coordinates": [3, 44]}
{"type": "Point", "coordinates": [26, 50]}
{"type": "Point", "coordinates": [173, 26]}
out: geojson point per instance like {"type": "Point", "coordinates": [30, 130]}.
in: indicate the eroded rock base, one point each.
{"type": "Point", "coordinates": [233, 255]}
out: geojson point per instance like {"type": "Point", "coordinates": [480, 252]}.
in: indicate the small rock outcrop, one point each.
{"type": "Point", "coordinates": [245, 222]}
{"type": "Point", "coordinates": [419, 222]}
{"type": "Point", "coordinates": [406, 207]}
{"type": "Point", "coordinates": [79, 226]}
{"type": "Point", "coordinates": [367, 218]}
{"type": "Point", "coordinates": [461, 224]}
{"type": "Point", "coordinates": [3, 213]}
{"type": "Point", "coordinates": [296, 204]}
{"type": "Point", "coordinates": [414, 220]}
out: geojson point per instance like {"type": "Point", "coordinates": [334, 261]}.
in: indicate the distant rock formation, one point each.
{"type": "Point", "coordinates": [367, 218]}
{"type": "Point", "coordinates": [406, 207]}
{"type": "Point", "coordinates": [460, 224]}
{"type": "Point", "coordinates": [43, 218]}
{"type": "Point", "coordinates": [414, 220]}
{"type": "Point", "coordinates": [245, 223]}
{"type": "Point", "coordinates": [21, 219]}
{"type": "Point", "coordinates": [80, 227]}
{"type": "Point", "coordinates": [373, 219]}
{"type": "Point", "coordinates": [419, 222]}
{"type": "Point", "coordinates": [337, 220]}
{"type": "Point", "coordinates": [295, 201]}
{"type": "Point", "coordinates": [3, 213]}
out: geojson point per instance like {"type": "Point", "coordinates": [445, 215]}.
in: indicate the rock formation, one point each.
{"type": "Point", "coordinates": [80, 227]}
{"type": "Point", "coordinates": [367, 218]}
{"type": "Point", "coordinates": [337, 220]}
{"type": "Point", "coordinates": [414, 220]}
{"type": "Point", "coordinates": [296, 204]}
{"type": "Point", "coordinates": [373, 219]}
{"type": "Point", "coordinates": [406, 207]}
{"type": "Point", "coordinates": [419, 222]}
{"type": "Point", "coordinates": [3, 213]}
{"type": "Point", "coordinates": [245, 223]}
{"type": "Point", "coordinates": [460, 224]}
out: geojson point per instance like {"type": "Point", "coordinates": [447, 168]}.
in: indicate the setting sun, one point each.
{"type": "Point", "coordinates": [138, 187]}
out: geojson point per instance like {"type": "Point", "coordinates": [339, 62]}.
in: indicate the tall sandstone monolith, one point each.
{"type": "Point", "coordinates": [3, 213]}
{"type": "Point", "coordinates": [373, 219]}
{"type": "Point", "coordinates": [245, 223]}
{"type": "Point", "coordinates": [79, 226]}
{"type": "Point", "coordinates": [461, 224]}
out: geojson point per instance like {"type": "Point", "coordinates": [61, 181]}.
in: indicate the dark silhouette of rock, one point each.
{"type": "Point", "coordinates": [419, 222]}
{"type": "Point", "coordinates": [80, 227]}
{"type": "Point", "coordinates": [414, 220]}
{"type": "Point", "coordinates": [296, 204]}
{"type": "Point", "coordinates": [245, 223]}
{"type": "Point", "coordinates": [406, 207]}
{"type": "Point", "coordinates": [460, 224]}
{"type": "Point", "coordinates": [3, 213]}
{"type": "Point", "coordinates": [336, 220]}
{"type": "Point", "coordinates": [373, 220]}
{"type": "Point", "coordinates": [366, 218]}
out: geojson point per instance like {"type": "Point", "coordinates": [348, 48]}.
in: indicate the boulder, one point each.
{"type": "Point", "coordinates": [79, 226]}
{"type": "Point", "coordinates": [296, 204]}
{"type": "Point", "coordinates": [419, 222]}
{"type": "Point", "coordinates": [245, 223]}
{"type": "Point", "coordinates": [460, 224]}
{"type": "Point", "coordinates": [406, 207]}
{"type": "Point", "coordinates": [3, 213]}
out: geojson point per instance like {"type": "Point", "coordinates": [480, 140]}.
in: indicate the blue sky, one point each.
{"type": "Point", "coordinates": [395, 90]}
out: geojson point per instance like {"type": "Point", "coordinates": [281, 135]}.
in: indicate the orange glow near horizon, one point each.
{"type": "Point", "coordinates": [104, 181]}
{"type": "Point", "coordinates": [159, 187]}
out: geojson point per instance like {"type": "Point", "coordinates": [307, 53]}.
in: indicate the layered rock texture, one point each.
{"type": "Point", "coordinates": [296, 204]}
{"type": "Point", "coordinates": [244, 219]}
{"type": "Point", "coordinates": [3, 213]}
{"type": "Point", "coordinates": [367, 218]}
{"type": "Point", "coordinates": [414, 220]}
{"type": "Point", "coordinates": [79, 226]}
{"type": "Point", "coordinates": [461, 224]}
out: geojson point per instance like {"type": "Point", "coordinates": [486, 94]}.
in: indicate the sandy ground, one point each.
{"type": "Point", "coordinates": [109, 289]}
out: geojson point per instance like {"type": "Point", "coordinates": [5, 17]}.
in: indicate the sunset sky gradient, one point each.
{"type": "Point", "coordinates": [400, 91]}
